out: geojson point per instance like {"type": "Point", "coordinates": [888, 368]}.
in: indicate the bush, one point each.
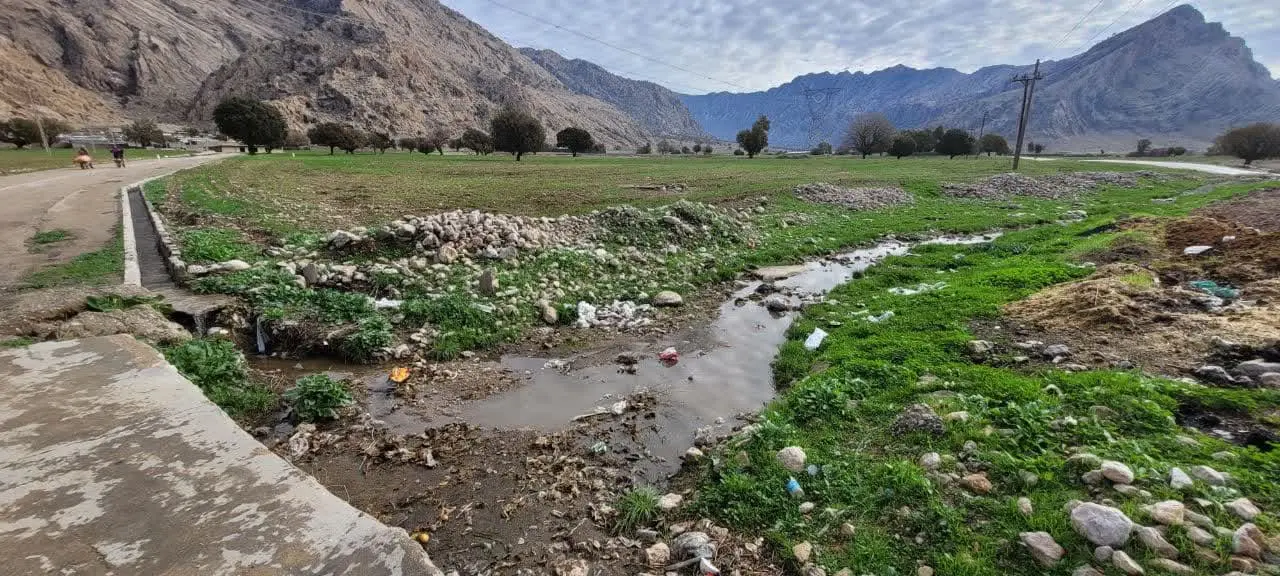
{"type": "Point", "coordinates": [372, 335]}
{"type": "Point", "coordinates": [218, 369]}
{"type": "Point", "coordinates": [318, 397]}
{"type": "Point", "coordinates": [739, 152]}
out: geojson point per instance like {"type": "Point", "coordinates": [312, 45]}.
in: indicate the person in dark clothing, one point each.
{"type": "Point", "coordinates": [117, 153]}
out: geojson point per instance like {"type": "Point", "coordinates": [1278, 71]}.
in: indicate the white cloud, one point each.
{"type": "Point", "coordinates": [739, 45]}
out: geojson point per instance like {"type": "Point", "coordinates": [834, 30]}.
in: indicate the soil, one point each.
{"type": "Point", "coordinates": [1259, 210]}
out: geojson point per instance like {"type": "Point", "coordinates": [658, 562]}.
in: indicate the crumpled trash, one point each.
{"type": "Point", "coordinates": [881, 318]}
{"type": "Point", "coordinates": [815, 339]}
{"type": "Point", "coordinates": [556, 364]}
{"type": "Point", "coordinates": [706, 567]}
{"type": "Point", "coordinates": [1195, 250]}
{"type": "Point", "coordinates": [1214, 289]}
{"type": "Point", "coordinates": [383, 303]}
{"type": "Point", "coordinates": [618, 408]}
{"type": "Point", "coordinates": [920, 288]}
{"type": "Point", "coordinates": [669, 356]}
{"type": "Point", "coordinates": [398, 374]}
{"type": "Point", "coordinates": [599, 448]}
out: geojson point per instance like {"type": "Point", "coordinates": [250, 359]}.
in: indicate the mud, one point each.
{"type": "Point", "coordinates": [1259, 210]}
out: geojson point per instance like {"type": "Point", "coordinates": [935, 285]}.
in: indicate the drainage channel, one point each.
{"type": "Point", "coordinates": [151, 263]}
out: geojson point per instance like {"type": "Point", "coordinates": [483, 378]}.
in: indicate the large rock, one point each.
{"type": "Point", "coordinates": [1168, 512]}
{"type": "Point", "coordinates": [1172, 567]}
{"type": "Point", "coordinates": [1101, 525]}
{"type": "Point", "coordinates": [1154, 541]}
{"type": "Point", "coordinates": [1209, 475]}
{"type": "Point", "coordinates": [1256, 368]}
{"type": "Point", "coordinates": [792, 458]}
{"type": "Point", "coordinates": [488, 282]}
{"type": "Point", "coordinates": [667, 298]}
{"type": "Point", "coordinates": [917, 418]}
{"type": "Point", "coordinates": [1244, 508]}
{"type": "Point", "coordinates": [1043, 548]}
{"type": "Point", "coordinates": [1179, 480]}
{"type": "Point", "coordinates": [1126, 564]}
{"type": "Point", "coordinates": [1117, 472]}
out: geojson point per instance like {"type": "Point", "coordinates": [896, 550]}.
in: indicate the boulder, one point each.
{"type": "Point", "coordinates": [1255, 369]}
{"type": "Point", "coordinates": [1043, 548]}
{"type": "Point", "coordinates": [548, 313]}
{"type": "Point", "coordinates": [1172, 567]}
{"type": "Point", "coordinates": [792, 458]}
{"type": "Point", "coordinates": [1155, 542]}
{"type": "Point", "coordinates": [1101, 525]}
{"type": "Point", "coordinates": [1178, 480]}
{"type": "Point", "coordinates": [1168, 512]}
{"type": "Point", "coordinates": [1244, 508]}
{"type": "Point", "coordinates": [1117, 472]}
{"type": "Point", "coordinates": [1209, 475]}
{"type": "Point", "coordinates": [1125, 564]}
{"type": "Point", "coordinates": [667, 298]}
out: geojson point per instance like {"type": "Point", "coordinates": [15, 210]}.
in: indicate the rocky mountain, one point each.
{"type": "Point", "coordinates": [1176, 79]}
{"type": "Point", "coordinates": [656, 108]}
{"type": "Point", "coordinates": [403, 66]}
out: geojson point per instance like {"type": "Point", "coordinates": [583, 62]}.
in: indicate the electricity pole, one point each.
{"type": "Point", "coordinates": [1028, 90]}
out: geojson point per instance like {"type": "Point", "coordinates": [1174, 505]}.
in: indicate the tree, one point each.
{"type": "Point", "coordinates": [645, 149]}
{"type": "Point", "coordinates": [706, 150]}
{"type": "Point", "coordinates": [937, 134]}
{"type": "Point", "coordinates": [455, 144]}
{"type": "Point", "coordinates": [994, 143]}
{"type": "Point", "coordinates": [870, 133]}
{"type": "Point", "coordinates": [380, 141]}
{"type": "Point", "coordinates": [329, 134]}
{"type": "Point", "coordinates": [477, 141]}
{"type": "Point", "coordinates": [1144, 145]}
{"type": "Point", "coordinates": [145, 132]}
{"type": "Point", "coordinates": [1038, 148]}
{"type": "Point", "coordinates": [352, 140]}
{"type": "Point", "coordinates": [517, 132]}
{"type": "Point", "coordinates": [697, 148]}
{"type": "Point", "coordinates": [409, 144]}
{"type": "Point", "coordinates": [738, 152]}
{"type": "Point", "coordinates": [1177, 151]}
{"type": "Point", "coordinates": [755, 139]}
{"type": "Point", "coordinates": [924, 140]}
{"type": "Point", "coordinates": [21, 131]}
{"type": "Point", "coordinates": [575, 139]}
{"type": "Point", "coordinates": [295, 139]}
{"type": "Point", "coordinates": [665, 147]}
{"type": "Point", "coordinates": [955, 142]}
{"type": "Point", "coordinates": [191, 131]}
{"type": "Point", "coordinates": [822, 149]}
{"type": "Point", "coordinates": [903, 145]}
{"type": "Point", "coordinates": [253, 122]}
{"type": "Point", "coordinates": [1253, 142]}
{"type": "Point", "coordinates": [685, 150]}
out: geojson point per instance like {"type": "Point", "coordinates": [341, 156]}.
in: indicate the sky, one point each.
{"type": "Point", "coordinates": [699, 46]}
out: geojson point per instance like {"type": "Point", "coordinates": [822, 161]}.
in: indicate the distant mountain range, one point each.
{"type": "Point", "coordinates": [409, 66]}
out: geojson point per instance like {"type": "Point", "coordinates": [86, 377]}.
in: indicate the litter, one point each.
{"type": "Point", "coordinates": [399, 374]}
{"type": "Point", "coordinates": [815, 339]}
{"type": "Point", "coordinates": [794, 489]}
{"type": "Point", "coordinates": [920, 288]}
{"type": "Point", "coordinates": [599, 448]}
{"type": "Point", "coordinates": [1214, 289]}
{"type": "Point", "coordinates": [669, 356]}
{"type": "Point", "coordinates": [384, 303]}
{"type": "Point", "coordinates": [706, 567]}
{"type": "Point", "coordinates": [812, 469]}
{"type": "Point", "coordinates": [421, 537]}
{"type": "Point", "coordinates": [1195, 250]}
{"type": "Point", "coordinates": [555, 364]}
{"type": "Point", "coordinates": [881, 318]}
{"type": "Point", "coordinates": [618, 408]}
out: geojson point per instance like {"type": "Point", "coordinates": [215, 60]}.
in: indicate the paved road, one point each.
{"type": "Point", "coordinates": [82, 202]}
{"type": "Point", "coordinates": [1210, 168]}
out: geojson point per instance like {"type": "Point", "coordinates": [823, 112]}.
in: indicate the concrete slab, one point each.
{"type": "Point", "coordinates": [112, 463]}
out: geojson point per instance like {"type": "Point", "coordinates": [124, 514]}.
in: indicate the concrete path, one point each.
{"type": "Point", "coordinates": [1209, 168]}
{"type": "Point", "coordinates": [83, 202]}
{"type": "Point", "coordinates": [112, 463]}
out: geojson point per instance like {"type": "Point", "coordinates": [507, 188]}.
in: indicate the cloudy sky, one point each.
{"type": "Point", "coordinates": [697, 46]}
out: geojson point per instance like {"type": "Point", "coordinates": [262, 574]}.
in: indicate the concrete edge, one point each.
{"type": "Point", "coordinates": [132, 274]}
{"type": "Point", "coordinates": [168, 246]}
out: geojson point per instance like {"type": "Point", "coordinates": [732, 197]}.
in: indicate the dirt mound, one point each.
{"type": "Point", "coordinates": [1259, 210]}
{"type": "Point", "coordinates": [1052, 186]}
{"type": "Point", "coordinates": [854, 198]}
{"type": "Point", "coordinates": [1117, 296]}
{"type": "Point", "coordinates": [1202, 231]}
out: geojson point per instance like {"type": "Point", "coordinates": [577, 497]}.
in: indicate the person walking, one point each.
{"type": "Point", "coordinates": [117, 154]}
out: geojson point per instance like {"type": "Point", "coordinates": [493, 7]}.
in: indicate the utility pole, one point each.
{"type": "Point", "coordinates": [818, 101]}
{"type": "Point", "coordinates": [1028, 91]}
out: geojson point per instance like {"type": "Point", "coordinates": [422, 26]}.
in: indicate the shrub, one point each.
{"type": "Point", "coordinates": [318, 397]}
{"type": "Point", "coordinates": [371, 336]}
{"type": "Point", "coordinates": [218, 369]}
{"type": "Point", "coordinates": [738, 152]}
{"type": "Point", "coordinates": [636, 508]}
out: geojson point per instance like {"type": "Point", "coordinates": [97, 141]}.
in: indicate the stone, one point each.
{"type": "Point", "coordinates": [977, 483]}
{"type": "Point", "coordinates": [1199, 519]}
{"type": "Point", "coordinates": [693, 453]}
{"type": "Point", "coordinates": [960, 416]}
{"type": "Point", "coordinates": [1128, 490]}
{"type": "Point", "coordinates": [572, 567]}
{"type": "Point", "coordinates": [311, 274]}
{"type": "Point", "coordinates": [980, 347]}
{"type": "Point", "coordinates": [1101, 525]}
{"type": "Point", "coordinates": [234, 266]}
{"type": "Point", "coordinates": [1255, 369]}
{"type": "Point", "coordinates": [1270, 380]}
{"type": "Point", "coordinates": [1125, 564]}
{"type": "Point", "coordinates": [489, 282]}
{"type": "Point", "coordinates": [1084, 460]}
{"type": "Point", "coordinates": [1092, 477]}
{"type": "Point", "coordinates": [1043, 548]}
{"type": "Point", "coordinates": [1117, 472]}
{"type": "Point", "coordinates": [806, 507]}
{"type": "Point", "coordinates": [1168, 512]}
{"type": "Point", "coordinates": [670, 501]}
{"type": "Point", "coordinates": [1178, 480]}
{"type": "Point", "coordinates": [1086, 570]}
{"type": "Point", "coordinates": [1243, 565]}
{"type": "Point", "coordinates": [778, 303]}
{"type": "Point", "coordinates": [843, 572]}
{"type": "Point", "coordinates": [1213, 374]}
{"type": "Point", "coordinates": [930, 461]}
{"type": "Point", "coordinates": [1208, 475]}
{"type": "Point", "coordinates": [658, 555]}
{"type": "Point", "coordinates": [1171, 566]}
{"type": "Point", "coordinates": [1154, 541]}
{"type": "Point", "coordinates": [647, 536]}
{"type": "Point", "coordinates": [802, 552]}
{"type": "Point", "coordinates": [848, 530]}
{"type": "Point", "coordinates": [667, 298]}
{"type": "Point", "coordinates": [447, 254]}
{"type": "Point", "coordinates": [1024, 506]}
{"type": "Point", "coordinates": [1057, 351]}
{"type": "Point", "coordinates": [1103, 554]}
{"type": "Point", "coordinates": [917, 418]}
{"type": "Point", "coordinates": [924, 571]}
{"type": "Point", "coordinates": [1244, 508]}
{"type": "Point", "coordinates": [1199, 535]}
{"type": "Point", "coordinates": [792, 458]}
{"type": "Point", "coordinates": [548, 313]}
{"type": "Point", "coordinates": [1244, 541]}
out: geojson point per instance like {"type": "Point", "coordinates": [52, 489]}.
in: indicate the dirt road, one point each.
{"type": "Point", "coordinates": [82, 202]}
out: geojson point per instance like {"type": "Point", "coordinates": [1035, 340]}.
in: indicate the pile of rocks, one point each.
{"type": "Point", "coordinates": [1053, 186]}
{"type": "Point", "coordinates": [854, 198]}
{"type": "Point", "coordinates": [682, 223]}
{"type": "Point", "coordinates": [620, 314]}
{"type": "Point", "coordinates": [450, 234]}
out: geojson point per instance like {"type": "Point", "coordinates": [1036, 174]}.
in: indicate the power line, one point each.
{"type": "Point", "coordinates": [1078, 23]}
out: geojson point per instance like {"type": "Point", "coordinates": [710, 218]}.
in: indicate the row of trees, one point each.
{"type": "Point", "coordinates": [873, 133]}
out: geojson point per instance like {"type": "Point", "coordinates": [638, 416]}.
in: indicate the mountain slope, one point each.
{"type": "Point", "coordinates": [657, 109]}
{"type": "Point", "coordinates": [1175, 78]}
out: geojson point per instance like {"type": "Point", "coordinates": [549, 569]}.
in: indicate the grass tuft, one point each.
{"type": "Point", "coordinates": [636, 508]}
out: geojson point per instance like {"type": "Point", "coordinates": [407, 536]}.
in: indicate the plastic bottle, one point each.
{"type": "Point", "coordinates": [794, 489]}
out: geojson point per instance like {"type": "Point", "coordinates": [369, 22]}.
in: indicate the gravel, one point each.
{"type": "Point", "coordinates": [854, 198]}
{"type": "Point", "coordinates": [1052, 186]}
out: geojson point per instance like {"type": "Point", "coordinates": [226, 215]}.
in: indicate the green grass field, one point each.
{"type": "Point", "coordinates": [14, 161]}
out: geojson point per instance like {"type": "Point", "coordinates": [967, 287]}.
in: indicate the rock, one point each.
{"type": "Point", "coordinates": [1243, 542]}
{"type": "Point", "coordinates": [960, 416]}
{"type": "Point", "coordinates": [778, 303]}
{"type": "Point", "coordinates": [670, 501]}
{"type": "Point", "coordinates": [234, 266]}
{"type": "Point", "coordinates": [1117, 472]}
{"type": "Point", "coordinates": [647, 536]}
{"type": "Point", "coordinates": [447, 254]}
{"type": "Point", "coordinates": [1169, 512]}
{"type": "Point", "coordinates": [802, 552]}
{"type": "Point", "coordinates": [1101, 525]}
{"type": "Point", "coordinates": [806, 507]}
{"type": "Point", "coordinates": [548, 313]}
{"type": "Point", "coordinates": [1092, 477]}
{"type": "Point", "coordinates": [930, 461]}
{"type": "Point", "coordinates": [1244, 508]}
{"type": "Point", "coordinates": [1199, 535]}
{"type": "Point", "coordinates": [693, 453]}
{"type": "Point", "coordinates": [917, 418]}
{"type": "Point", "coordinates": [658, 555]}
{"type": "Point", "coordinates": [1170, 566]}
{"type": "Point", "coordinates": [1071, 504]}
{"type": "Point", "coordinates": [1057, 351]}
{"type": "Point", "coordinates": [980, 347]}
{"type": "Point", "coordinates": [1255, 369]}
{"type": "Point", "coordinates": [695, 545]}
{"type": "Point", "coordinates": [792, 458]}
{"type": "Point", "coordinates": [1024, 506]}
{"type": "Point", "coordinates": [143, 322]}
{"type": "Point", "coordinates": [976, 483]}
{"type": "Point", "coordinates": [843, 572]}
{"type": "Point", "coordinates": [667, 298]}
{"type": "Point", "coordinates": [1028, 477]}
{"type": "Point", "coordinates": [924, 571]}
{"type": "Point", "coordinates": [1270, 380]}
{"type": "Point", "coordinates": [572, 567]}
{"type": "Point", "coordinates": [1103, 554]}
{"type": "Point", "coordinates": [1084, 460]}
{"type": "Point", "coordinates": [1208, 475]}
{"type": "Point", "coordinates": [311, 274]}
{"type": "Point", "coordinates": [1213, 374]}
{"type": "Point", "coordinates": [1199, 519]}
{"type": "Point", "coordinates": [848, 530]}
{"type": "Point", "coordinates": [1243, 565]}
{"type": "Point", "coordinates": [1087, 570]}
{"type": "Point", "coordinates": [1125, 564]}
{"type": "Point", "coordinates": [1178, 480]}
{"type": "Point", "coordinates": [489, 282]}
{"type": "Point", "coordinates": [1043, 548]}
{"type": "Point", "coordinates": [1128, 490]}
{"type": "Point", "coordinates": [1154, 541]}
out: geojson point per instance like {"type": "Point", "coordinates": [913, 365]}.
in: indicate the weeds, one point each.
{"type": "Point", "coordinates": [367, 341]}
{"type": "Point", "coordinates": [50, 236]}
{"type": "Point", "coordinates": [18, 342]}
{"type": "Point", "coordinates": [318, 397]}
{"type": "Point", "coordinates": [212, 245]}
{"type": "Point", "coordinates": [218, 369]}
{"type": "Point", "coordinates": [636, 508]}
{"type": "Point", "coordinates": [105, 266]}
{"type": "Point", "coordinates": [111, 302]}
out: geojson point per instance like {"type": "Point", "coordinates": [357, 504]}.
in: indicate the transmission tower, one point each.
{"type": "Point", "coordinates": [819, 103]}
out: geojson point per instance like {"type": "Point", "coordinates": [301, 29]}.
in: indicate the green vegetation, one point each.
{"type": "Point", "coordinates": [17, 342]}
{"type": "Point", "coordinates": [211, 245]}
{"type": "Point", "coordinates": [110, 302]}
{"type": "Point", "coordinates": [636, 508]}
{"type": "Point", "coordinates": [105, 266]}
{"type": "Point", "coordinates": [13, 161]}
{"type": "Point", "coordinates": [50, 236]}
{"type": "Point", "coordinates": [318, 397]}
{"type": "Point", "coordinates": [218, 368]}
{"type": "Point", "coordinates": [1023, 421]}
{"type": "Point", "coordinates": [251, 121]}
